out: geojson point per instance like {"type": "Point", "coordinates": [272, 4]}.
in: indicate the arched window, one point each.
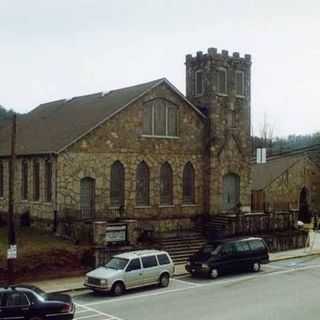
{"type": "Point", "coordinates": [24, 180]}
{"type": "Point", "coordinates": [48, 181]}
{"type": "Point", "coordinates": [188, 184]}
{"type": "Point", "coordinates": [166, 184]}
{"type": "Point", "coordinates": [1, 180]}
{"type": "Point", "coordinates": [160, 118]}
{"type": "Point", "coordinates": [36, 180]}
{"type": "Point", "coordinates": [87, 196]}
{"type": "Point", "coordinates": [117, 184]}
{"type": "Point", "coordinates": [142, 184]}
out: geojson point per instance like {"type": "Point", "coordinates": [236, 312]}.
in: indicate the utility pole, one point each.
{"type": "Point", "coordinates": [12, 250]}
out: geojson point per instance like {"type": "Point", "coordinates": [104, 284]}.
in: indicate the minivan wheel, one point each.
{"type": "Point", "coordinates": [214, 273]}
{"type": "Point", "coordinates": [256, 267]}
{"type": "Point", "coordinates": [164, 280]}
{"type": "Point", "coordinates": [118, 289]}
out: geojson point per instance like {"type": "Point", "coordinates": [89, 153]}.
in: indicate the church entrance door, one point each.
{"type": "Point", "coordinates": [304, 210]}
{"type": "Point", "coordinates": [231, 191]}
{"type": "Point", "coordinates": [87, 197]}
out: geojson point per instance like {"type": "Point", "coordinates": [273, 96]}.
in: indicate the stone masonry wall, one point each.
{"type": "Point", "coordinates": [287, 187]}
{"type": "Point", "coordinates": [41, 209]}
{"type": "Point", "coordinates": [121, 138]}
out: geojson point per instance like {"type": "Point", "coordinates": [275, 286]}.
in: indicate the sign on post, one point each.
{"type": "Point", "coordinates": [261, 155]}
{"type": "Point", "coordinates": [12, 252]}
{"type": "Point", "coordinates": [116, 233]}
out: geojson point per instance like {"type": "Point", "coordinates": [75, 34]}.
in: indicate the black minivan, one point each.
{"type": "Point", "coordinates": [229, 255]}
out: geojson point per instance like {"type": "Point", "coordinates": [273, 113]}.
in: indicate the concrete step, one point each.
{"type": "Point", "coordinates": [182, 243]}
{"type": "Point", "coordinates": [181, 248]}
{"type": "Point", "coordinates": [175, 239]}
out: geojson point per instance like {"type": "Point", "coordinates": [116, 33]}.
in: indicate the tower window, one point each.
{"type": "Point", "coordinates": [222, 81]}
{"type": "Point", "coordinates": [199, 83]}
{"type": "Point", "coordinates": [240, 83]}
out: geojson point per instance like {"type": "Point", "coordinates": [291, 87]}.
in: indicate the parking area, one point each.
{"type": "Point", "coordinates": [194, 298]}
{"type": "Point", "coordinates": [87, 313]}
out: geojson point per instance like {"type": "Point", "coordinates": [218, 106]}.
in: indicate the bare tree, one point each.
{"type": "Point", "coordinates": [266, 134]}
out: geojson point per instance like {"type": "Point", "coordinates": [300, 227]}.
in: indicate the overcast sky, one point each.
{"type": "Point", "coordinates": [52, 49]}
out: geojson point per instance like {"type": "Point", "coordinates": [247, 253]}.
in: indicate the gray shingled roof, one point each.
{"type": "Point", "coordinates": [263, 174]}
{"type": "Point", "coordinates": [52, 126]}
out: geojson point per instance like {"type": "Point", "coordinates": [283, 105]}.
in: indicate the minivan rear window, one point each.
{"type": "Point", "coordinates": [149, 261]}
{"type": "Point", "coordinates": [256, 245]}
{"type": "Point", "coordinates": [163, 259]}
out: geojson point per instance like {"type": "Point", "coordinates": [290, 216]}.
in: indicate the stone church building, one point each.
{"type": "Point", "coordinates": [145, 153]}
{"type": "Point", "coordinates": [289, 181]}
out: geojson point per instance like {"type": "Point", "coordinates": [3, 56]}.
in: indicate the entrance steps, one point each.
{"type": "Point", "coordinates": [182, 247]}
{"type": "Point", "coordinates": [218, 223]}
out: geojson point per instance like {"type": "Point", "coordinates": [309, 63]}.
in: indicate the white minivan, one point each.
{"type": "Point", "coordinates": [131, 270]}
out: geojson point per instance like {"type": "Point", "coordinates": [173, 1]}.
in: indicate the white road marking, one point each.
{"type": "Point", "coordinates": [211, 283]}
{"type": "Point", "coordinates": [187, 283]}
{"type": "Point", "coordinates": [82, 311]}
{"type": "Point", "coordinates": [90, 316]}
{"type": "Point", "coordinates": [109, 316]}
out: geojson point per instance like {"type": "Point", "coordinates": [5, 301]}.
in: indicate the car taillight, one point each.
{"type": "Point", "coordinates": [66, 308]}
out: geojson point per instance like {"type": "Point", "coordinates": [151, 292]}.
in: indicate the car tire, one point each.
{"type": "Point", "coordinates": [213, 273]}
{"type": "Point", "coordinates": [118, 289]}
{"type": "Point", "coordinates": [164, 280]}
{"type": "Point", "coordinates": [256, 266]}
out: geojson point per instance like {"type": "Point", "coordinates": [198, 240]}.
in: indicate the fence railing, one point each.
{"type": "Point", "coordinates": [257, 223]}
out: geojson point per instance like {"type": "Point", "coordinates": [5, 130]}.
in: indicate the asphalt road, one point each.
{"type": "Point", "coordinates": [283, 290]}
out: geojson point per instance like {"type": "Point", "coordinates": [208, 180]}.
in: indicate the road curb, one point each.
{"type": "Point", "coordinates": [296, 256]}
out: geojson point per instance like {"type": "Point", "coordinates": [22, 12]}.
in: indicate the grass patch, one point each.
{"type": "Point", "coordinates": [30, 240]}
{"type": "Point", "coordinates": [42, 255]}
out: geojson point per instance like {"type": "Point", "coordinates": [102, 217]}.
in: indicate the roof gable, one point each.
{"type": "Point", "coordinates": [53, 126]}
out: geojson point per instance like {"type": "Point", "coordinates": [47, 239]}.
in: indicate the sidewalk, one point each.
{"type": "Point", "coordinates": [76, 283]}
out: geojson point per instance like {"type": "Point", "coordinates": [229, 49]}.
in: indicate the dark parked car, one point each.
{"type": "Point", "coordinates": [31, 303]}
{"type": "Point", "coordinates": [229, 255]}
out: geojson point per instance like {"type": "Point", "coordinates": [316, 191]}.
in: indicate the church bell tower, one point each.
{"type": "Point", "coordinates": [219, 85]}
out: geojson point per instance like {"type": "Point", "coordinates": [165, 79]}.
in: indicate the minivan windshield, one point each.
{"type": "Point", "coordinates": [210, 248]}
{"type": "Point", "coordinates": [117, 263]}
